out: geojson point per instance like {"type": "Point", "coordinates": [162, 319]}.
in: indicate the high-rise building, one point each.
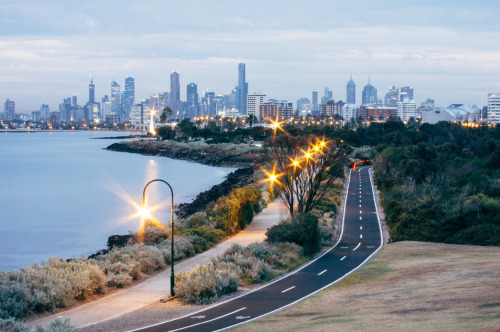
{"type": "Point", "coordinates": [315, 109]}
{"type": "Point", "coordinates": [91, 91]}
{"type": "Point", "coordinates": [9, 108]}
{"type": "Point", "coordinates": [494, 108]}
{"type": "Point", "coordinates": [115, 98]}
{"type": "Point", "coordinates": [301, 104]}
{"type": "Point", "coordinates": [351, 92]}
{"type": "Point", "coordinates": [409, 92]}
{"type": "Point", "coordinates": [242, 90]}
{"type": "Point", "coordinates": [128, 96]}
{"type": "Point", "coordinates": [74, 100]}
{"type": "Point", "coordinates": [175, 92]}
{"type": "Point", "coordinates": [327, 97]}
{"type": "Point", "coordinates": [407, 109]}
{"type": "Point", "coordinates": [392, 97]}
{"type": "Point", "coordinates": [163, 100]}
{"type": "Point", "coordinates": [192, 99]}
{"type": "Point", "coordinates": [45, 112]}
{"type": "Point", "coordinates": [253, 103]}
{"type": "Point", "coordinates": [369, 95]}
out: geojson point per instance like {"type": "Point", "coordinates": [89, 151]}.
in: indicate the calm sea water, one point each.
{"type": "Point", "coordinates": [62, 194]}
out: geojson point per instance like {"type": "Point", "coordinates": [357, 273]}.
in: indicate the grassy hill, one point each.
{"type": "Point", "coordinates": [408, 286]}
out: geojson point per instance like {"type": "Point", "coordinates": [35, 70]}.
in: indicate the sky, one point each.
{"type": "Point", "coordinates": [448, 50]}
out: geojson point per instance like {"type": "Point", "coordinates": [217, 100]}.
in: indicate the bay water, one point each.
{"type": "Point", "coordinates": [62, 194]}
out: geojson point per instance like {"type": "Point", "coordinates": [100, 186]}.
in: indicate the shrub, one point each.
{"type": "Point", "coordinates": [207, 283]}
{"type": "Point", "coordinates": [203, 237]}
{"type": "Point", "coordinates": [11, 325]}
{"type": "Point", "coordinates": [302, 229]}
{"type": "Point", "coordinates": [57, 325]}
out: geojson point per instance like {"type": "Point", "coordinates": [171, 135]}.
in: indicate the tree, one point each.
{"type": "Point", "coordinates": [168, 112]}
{"type": "Point", "coordinates": [163, 116]}
{"type": "Point", "coordinates": [251, 119]}
{"type": "Point", "coordinates": [305, 169]}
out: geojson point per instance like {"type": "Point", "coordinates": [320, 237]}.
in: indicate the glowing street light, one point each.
{"type": "Point", "coordinates": [145, 214]}
{"type": "Point", "coordinates": [273, 177]}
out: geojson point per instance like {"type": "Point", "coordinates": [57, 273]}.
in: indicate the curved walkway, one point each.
{"type": "Point", "coordinates": [158, 287]}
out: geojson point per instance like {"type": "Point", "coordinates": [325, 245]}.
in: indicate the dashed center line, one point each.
{"type": "Point", "coordinates": [343, 258]}
{"type": "Point", "coordinates": [322, 272]}
{"type": "Point", "coordinates": [360, 236]}
{"type": "Point", "coordinates": [361, 227]}
{"type": "Point", "coordinates": [286, 290]}
{"type": "Point", "coordinates": [360, 218]}
{"type": "Point", "coordinates": [357, 246]}
{"type": "Point", "coordinates": [360, 211]}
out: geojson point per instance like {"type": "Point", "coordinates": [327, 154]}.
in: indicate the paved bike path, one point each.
{"type": "Point", "coordinates": [158, 287]}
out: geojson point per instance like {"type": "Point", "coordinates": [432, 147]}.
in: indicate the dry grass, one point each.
{"type": "Point", "coordinates": [408, 286]}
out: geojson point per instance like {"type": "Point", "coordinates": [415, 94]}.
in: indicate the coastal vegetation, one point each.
{"type": "Point", "coordinates": [60, 283]}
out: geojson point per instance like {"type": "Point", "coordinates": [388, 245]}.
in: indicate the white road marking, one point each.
{"type": "Point", "coordinates": [286, 290]}
{"type": "Point", "coordinates": [242, 317]}
{"type": "Point", "coordinates": [357, 246]}
{"type": "Point", "coordinates": [360, 218]}
{"type": "Point", "coordinates": [322, 272]}
{"type": "Point", "coordinates": [361, 227]}
{"type": "Point", "coordinates": [343, 247]}
{"type": "Point", "coordinates": [360, 236]}
{"type": "Point", "coordinates": [371, 247]}
{"type": "Point", "coordinates": [359, 205]}
{"type": "Point", "coordinates": [208, 321]}
{"type": "Point", "coordinates": [360, 211]}
{"type": "Point", "coordinates": [198, 317]}
{"type": "Point", "coordinates": [343, 258]}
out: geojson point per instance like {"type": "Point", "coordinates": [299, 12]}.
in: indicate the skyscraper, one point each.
{"type": "Point", "coordinates": [494, 108]}
{"type": "Point", "coordinates": [115, 98]}
{"type": "Point", "coordinates": [327, 97]}
{"type": "Point", "coordinates": [408, 90]}
{"type": "Point", "coordinates": [392, 97]}
{"type": "Point", "coordinates": [315, 110]}
{"type": "Point", "coordinates": [192, 99]}
{"type": "Point", "coordinates": [351, 92]}
{"type": "Point", "coordinates": [175, 92]}
{"type": "Point", "coordinates": [242, 90]}
{"type": "Point", "coordinates": [253, 103]}
{"type": "Point", "coordinates": [9, 108]}
{"type": "Point", "coordinates": [128, 97]}
{"type": "Point", "coordinates": [369, 95]}
{"type": "Point", "coordinates": [91, 90]}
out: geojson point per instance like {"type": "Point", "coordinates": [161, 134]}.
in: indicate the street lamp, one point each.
{"type": "Point", "coordinates": [172, 276]}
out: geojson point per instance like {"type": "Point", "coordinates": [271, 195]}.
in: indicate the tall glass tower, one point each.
{"type": "Point", "coordinates": [242, 90]}
{"type": "Point", "coordinates": [175, 91]}
{"type": "Point", "coordinates": [115, 98]}
{"type": "Point", "coordinates": [91, 91]}
{"type": "Point", "coordinates": [369, 94]}
{"type": "Point", "coordinates": [351, 92]}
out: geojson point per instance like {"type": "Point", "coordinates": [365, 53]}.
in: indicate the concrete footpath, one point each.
{"type": "Point", "coordinates": [158, 287]}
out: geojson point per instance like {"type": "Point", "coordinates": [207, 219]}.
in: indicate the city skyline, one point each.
{"type": "Point", "coordinates": [445, 53]}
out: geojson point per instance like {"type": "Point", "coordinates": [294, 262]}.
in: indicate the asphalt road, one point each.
{"type": "Point", "coordinates": [360, 239]}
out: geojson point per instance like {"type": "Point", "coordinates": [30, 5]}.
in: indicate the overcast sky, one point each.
{"type": "Point", "coordinates": [447, 50]}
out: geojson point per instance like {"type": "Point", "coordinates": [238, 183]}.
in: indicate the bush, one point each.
{"type": "Point", "coordinates": [203, 237]}
{"type": "Point", "coordinates": [302, 229]}
{"type": "Point", "coordinates": [207, 283]}
{"type": "Point", "coordinates": [57, 325]}
{"type": "Point", "coordinates": [11, 325]}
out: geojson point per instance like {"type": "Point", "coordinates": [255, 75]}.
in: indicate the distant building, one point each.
{"type": "Point", "coordinates": [45, 112]}
{"type": "Point", "coordinates": [163, 100]}
{"type": "Point", "coordinates": [192, 99]}
{"type": "Point", "coordinates": [137, 116]}
{"type": "Point", "coordinates": [91, 110]}
{"type": "Point", "coordinates": [369, 95]}
{"type": "Point", "coordinates": [327, 97]}
{"type": "Point", "coordinates": [128, 96]}
{"type": "Point", "coordinates": [407, 109]}
{"type": "Point", "coordinates": [351, 92]}
{"type": "Point", "coordinates": [115, 98]}
{"type": "Point", "coordinates": [301, 104]}
{"type": "Point", "coordinates": [254, 101]}
{"type": "Point", "coordinates": [175, 92]}
{"type": "Point", "coordinates": [494, 108]}
{"type": "Point", "coordinates": [349, 112]}
{"type": "Point", "coordinates": [9, 109]}
{"type": "Point", "coordinates": [376, 113]}
{"type": "Point", "coordinates": [408, 90]}
{"type": "Point", "coordinates": [315, 105]}
{"type": "Point", "coordinates": [453, 113]}
{"type": "Point", "coordinates": [242, 90]}
{"type": "Point", "coordinates": [286, 109]}
{"type": "Point", "coordinates": [270, 111]}
{"type": "Point", "coordinates": [329, 110]}
{"type": "Point", "coordinates": [392, 97]}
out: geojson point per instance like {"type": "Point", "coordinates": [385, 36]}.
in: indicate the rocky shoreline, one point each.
{"type": "Point", "coordinates": [224, 154]}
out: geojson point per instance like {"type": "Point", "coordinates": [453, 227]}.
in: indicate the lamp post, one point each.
{"type": "Point", "coordinates": [172, 276]}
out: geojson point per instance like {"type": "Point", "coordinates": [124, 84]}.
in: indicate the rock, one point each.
{"type": "Point", "coordinates": [118, 240]}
